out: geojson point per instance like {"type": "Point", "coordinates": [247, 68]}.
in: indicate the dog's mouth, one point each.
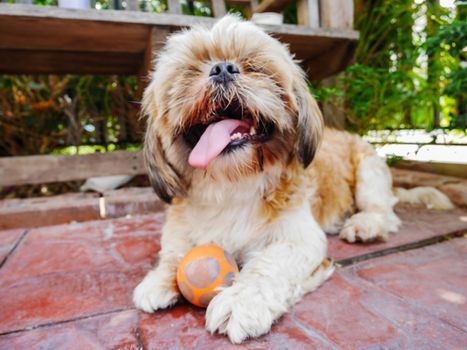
{"type": "Point", "coordinates": [229, 128]}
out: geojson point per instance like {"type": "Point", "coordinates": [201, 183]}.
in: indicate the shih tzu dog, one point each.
{"type": "Point", "coordinates": [231, 136]}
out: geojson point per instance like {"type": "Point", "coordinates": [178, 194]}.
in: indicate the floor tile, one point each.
{"type": "Point", "coordinates": [418, 223]}
{"type": "Point", "coordinates": [111, 331]}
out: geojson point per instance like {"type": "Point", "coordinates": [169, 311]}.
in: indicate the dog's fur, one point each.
{"type": "Point", "coordinates": [261, 202]}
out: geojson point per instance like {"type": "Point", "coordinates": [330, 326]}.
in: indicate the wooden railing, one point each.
{"type": "Point", "coordinates": [54, 168]}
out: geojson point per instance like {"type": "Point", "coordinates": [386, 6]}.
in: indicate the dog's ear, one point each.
{"type": "Point", "coordinates": [164, 177]}
{"type": "Point", "coordinates": [309, 124]}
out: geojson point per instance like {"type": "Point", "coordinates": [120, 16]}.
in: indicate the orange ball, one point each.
{"type": "Point", "coordinates": [202, 270]}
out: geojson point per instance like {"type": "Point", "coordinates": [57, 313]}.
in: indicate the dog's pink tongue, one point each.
{"type": "Point", "coordinates": [213, 141]}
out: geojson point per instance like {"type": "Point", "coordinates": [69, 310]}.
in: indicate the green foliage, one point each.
{"type": "Point", "coordinates": [451, 37]}
{"type": "Point", "coordinates": [197, 8]}
{"type": "Point", "coordinates": [391, 160]}
{"type": "Point", "coordinates": [402, 78]}
{"type": "Point", "coordinates": [45, 2]}
{"type": "Point", "coordinates": [405, 76]}
{"type": "Point", "coordinates": [237, 9]}
{"type": "Point", "coordinates": [449, 47]}
{"type": "Point", "coordinates": [90, 149]}
{"type": "Point", "coordinates": [385, 28]}
{"type": "Point", "coordinates": [379, 98]}
{"type": "Point", "coordinates": [457, 85]}
{"type": "Point", "coordinates": [40, 114]}
{"type": "Point", "coordinates": [290, 13]}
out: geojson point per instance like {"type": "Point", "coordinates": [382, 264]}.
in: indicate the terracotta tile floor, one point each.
{"type": "Point", "coordinates": [69, 287]}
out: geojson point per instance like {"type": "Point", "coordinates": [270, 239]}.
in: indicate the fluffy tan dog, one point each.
{"type": "Point", "coordinates": [232, 131]}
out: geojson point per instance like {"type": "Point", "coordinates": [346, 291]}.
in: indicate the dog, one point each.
{"type": "Point", "coordinates": [232, 132]}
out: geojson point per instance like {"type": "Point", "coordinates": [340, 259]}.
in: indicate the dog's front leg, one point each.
{"type": "Point", "coordinates": [158, 290]}
{"type": "Point", "coordinates": [271, 280]}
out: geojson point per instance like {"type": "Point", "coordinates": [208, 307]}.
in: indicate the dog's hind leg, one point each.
{"type": "Point", "coordinates": [374, 200]}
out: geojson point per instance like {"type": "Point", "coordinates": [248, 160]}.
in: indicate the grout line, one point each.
{"type": "Point", "coordinates": [139, 339]}
{"type": "Point", "coordinates": [370, 287]}
{"type": "Point", "coordinates": [402, 248]}
{"type": "Point", "coordinates": [313, 334]}
{"type": "Point", "coordinates": [49, 324]}
{"type": "Point", "coordinates": [20, 239]}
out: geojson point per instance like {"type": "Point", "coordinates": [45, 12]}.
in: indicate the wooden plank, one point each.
{"type": "Point", "coordinates": [333, 112]}
{"type": "Point", "coordinates": [150, 19]}
{"type": "Point", "coordinates": [112, 16]}
{"type": "Point", "coordinates": [62, 62]}
{"type": "Point", "coordinates": [218, 7]}
{"type": "Point", "coordinates": [300, 45]}
{"type": "Point", "coordinates": [78, 207]}
{"type": "Point", "coordinates": [308, 13]}
{"type": "Point", "coordinates": [156, 41]}
{"type": "Point", "coordinates": [36, 212]}
{"type": "Point", "coordinates": [336, 13]}
{"type": "Point", "coordinates": [272, 6]}
{"type": "Point", "coordinates": [330, 62]}
{"type": "Point", "coordinates": [450, 169]}
{"type": "Point", "coordinates": [48, 168]}
{"type": "Point", "coordinates": [132, 5]}
{"type": "Point", "coordinates": [174, 6]}
{"type": "Point", "coordinates": [36, 33]}
{"type": "Point", "coordinates": [241, 2]}
{"type": "Point", "coordinates": [43, 31]}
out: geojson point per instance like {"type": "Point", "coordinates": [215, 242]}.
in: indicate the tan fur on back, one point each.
{"type": "Point", "coordinates": [332, 175]}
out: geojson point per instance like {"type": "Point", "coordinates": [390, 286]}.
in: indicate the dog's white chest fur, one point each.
{"type": "Point", "coordinates": [229, 225]}
{"type": "Point", "coordinates": [225, 214]}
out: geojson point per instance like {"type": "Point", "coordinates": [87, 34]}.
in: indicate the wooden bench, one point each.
{"type": "Point", "coordinates": [52, 40]}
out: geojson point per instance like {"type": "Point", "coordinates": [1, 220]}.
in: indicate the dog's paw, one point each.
{"type": "Point", "coordinates": [364, 227]}
{"type": "Point", "coordinates": [153, 294]}
{"type": "Point", "coordinates": [240, 313]}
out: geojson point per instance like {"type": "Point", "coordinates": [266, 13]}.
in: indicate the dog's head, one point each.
{"type": "Point", "coordinates": [230, 101]}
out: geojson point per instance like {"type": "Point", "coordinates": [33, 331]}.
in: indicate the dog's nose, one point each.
{"type": "Point", "coordinates": [224, 71]}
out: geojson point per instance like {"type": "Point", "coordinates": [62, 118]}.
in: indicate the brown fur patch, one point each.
{"type": "Point", "coordinates": [200, 111]}
{"type": "Point", "coordinates": [288, 194]}
{"type": "Point", "coordinates": [333, 175]}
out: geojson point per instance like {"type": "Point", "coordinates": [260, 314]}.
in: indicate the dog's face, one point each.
{"type": "Point", "coordinates": [229, 101]}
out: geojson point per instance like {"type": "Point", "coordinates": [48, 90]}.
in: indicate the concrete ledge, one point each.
{"type": "Point", "coordinates": [77, 207]}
